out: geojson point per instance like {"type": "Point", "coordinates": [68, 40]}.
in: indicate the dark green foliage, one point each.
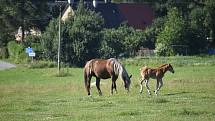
{"type": "Point", "coordinates": [209, 21]}
{"type": "Point", "coordinates": [24, 13]}
{"type": "Point", "coordinates": [111, 44]}
{"type": "Point", "coordinates": [121, 42]}
{"type": "Point", "coordinates": [197, 32]}
{"type": "Point", "coordinates": [49, 40]}
{"type": "Point", "coordinates": [152, 32]}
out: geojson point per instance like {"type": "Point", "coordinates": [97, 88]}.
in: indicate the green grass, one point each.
{"type": "Point", "coordinates": [40, 94]}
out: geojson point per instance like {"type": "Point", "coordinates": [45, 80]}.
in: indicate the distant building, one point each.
{"type": "Point", "coordinates": [68, 11]}
{"type": "Point", "coordinates": [136, 15]}
{"type": "Point", "coordinates": [32, 31]}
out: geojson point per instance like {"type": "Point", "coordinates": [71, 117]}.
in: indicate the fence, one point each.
{"type": "Point", "coordinates": [145, 52]}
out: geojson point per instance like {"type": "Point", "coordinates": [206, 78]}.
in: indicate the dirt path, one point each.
{"type": "Point", "coordinates": [6, 65]}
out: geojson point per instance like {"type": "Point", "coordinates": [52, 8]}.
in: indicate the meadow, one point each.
{"type": "Point", "coordinates": [38, 94]}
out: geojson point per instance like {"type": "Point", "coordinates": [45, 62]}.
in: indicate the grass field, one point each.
{"type": "Point", "coordinates": [39, 94]}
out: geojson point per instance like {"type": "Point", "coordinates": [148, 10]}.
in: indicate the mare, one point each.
{"type": "Point", "coordinates": [104, 69]}
{"type": "Point", "coordinates": [156, 73]}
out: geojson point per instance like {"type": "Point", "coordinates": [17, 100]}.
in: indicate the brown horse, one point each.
{"type": "Point", "coordinates": [157, 73]}
{"type": "Point", "coordinates": [104, 69]}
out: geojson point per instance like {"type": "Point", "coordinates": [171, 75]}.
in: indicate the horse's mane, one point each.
{"type": "Point", "coordinates": [161, 66]}
{"type": "Point", "coordinates": [118, 68]}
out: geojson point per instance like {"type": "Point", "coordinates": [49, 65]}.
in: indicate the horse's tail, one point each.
{"type": "Point", "coordinates": [87, 74]}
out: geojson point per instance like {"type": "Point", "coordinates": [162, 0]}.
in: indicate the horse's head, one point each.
{"type": "Point", "coordinates": [170, 68]}
{"type": "Point", "coordinates": [127, 82]}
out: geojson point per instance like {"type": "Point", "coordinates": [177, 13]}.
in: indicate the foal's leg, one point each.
{"type": "Point", "coordinates": [141, 85]}
{"type": "Point", "coordinates": [113, 84]}
{"type": "Point", "coordinates": [98, 86]}
{"type": "Point", "coordinates": [156, 88]}
{"type": "Point", "coordinates": [147, 86]}
{"type": "Point", "coordinates": [161, 84]}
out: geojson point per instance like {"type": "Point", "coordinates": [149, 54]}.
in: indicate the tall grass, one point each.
{"type": "Point", "coordinates": [175, 60]}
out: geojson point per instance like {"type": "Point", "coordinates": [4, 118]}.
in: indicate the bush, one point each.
{"type": "Point", "coordinates": [3, 53]}
{"type": "Point", "coordinates": [16, 52]}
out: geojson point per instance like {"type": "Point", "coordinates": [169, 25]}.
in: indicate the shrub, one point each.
{"type": "Point", "coordinates": [3, 53]}
{"type": "Point", "coordinates": [16, 52]}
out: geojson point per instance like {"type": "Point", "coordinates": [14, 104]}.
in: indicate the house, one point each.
{"type": "Point", "coordinates": [33, 31]}
{"type": "Point", "coordinates": [136, 15]}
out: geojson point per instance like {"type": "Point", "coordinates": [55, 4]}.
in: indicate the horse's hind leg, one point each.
{"type": "Point", "coordinates": [141, 85]}
{"type": "Point", "coordinates": [87, 83]}
{"type": "Point", "coordinates": [147, 86]}
{"type": "Point", "coordinates": [98, 86]}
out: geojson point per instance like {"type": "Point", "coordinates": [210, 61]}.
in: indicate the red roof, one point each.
{"type": "Point", "coordinates": [137, 15]}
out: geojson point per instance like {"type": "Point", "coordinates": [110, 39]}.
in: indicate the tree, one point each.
{"type": "Point", "coordinates": [84, 34]}
{"type": "Point", "coordinates": [111, 43]}
{"type": "Point", "coordinates": [210, 18]}
{"type": "Point", "coordinates": [197, 31]}
{"type": "Point", "coordinates": [152, 32]}
{"type": "Point", "coordinates": [121, 42]}
{"type": "Point", "coordinates": [24, 13]}
{"type": "Point", "coordinates": [49, 40]}
{"type": "Point", "coordinates": [172, 34]}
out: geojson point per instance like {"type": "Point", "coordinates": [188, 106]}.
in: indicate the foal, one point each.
{"type": "Point", "coordinates": [157, 73]}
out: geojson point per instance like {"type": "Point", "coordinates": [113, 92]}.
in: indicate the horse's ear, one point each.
{"type": "Point", "coordinates": [130, 76]}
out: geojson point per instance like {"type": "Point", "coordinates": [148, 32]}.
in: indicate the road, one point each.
{"type": "Point", "coordinates": [6, 65]}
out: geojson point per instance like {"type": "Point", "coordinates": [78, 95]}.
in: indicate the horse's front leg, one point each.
{"type": "Point", "coordinates": [98, 86]}
{"type": "Point", "coordinates": [87, 83]}
{"type": "Point", "coordinates": [147, 86]}
{"type": "Point", "coordinates": [113, 86]}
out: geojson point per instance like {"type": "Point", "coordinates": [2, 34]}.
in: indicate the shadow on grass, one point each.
{"type": "Point", "coordinates": [176, 93]}
{"type": "Point", "coordinates": [129, 113]}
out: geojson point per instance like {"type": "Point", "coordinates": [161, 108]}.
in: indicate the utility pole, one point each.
{"type": "Point", "coordinates": [59, 35]}
{"type": "Point", "coordinates": [59, 42]}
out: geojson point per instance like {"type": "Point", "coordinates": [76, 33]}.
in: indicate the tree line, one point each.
{"type": "Point", "coordinates": [178, 26]}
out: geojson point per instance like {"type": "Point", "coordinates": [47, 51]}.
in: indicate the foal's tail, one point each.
{"type": "Point", "coordinates": [143, 68]}
{"type": "Point", "coordinates": [143, 71]}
